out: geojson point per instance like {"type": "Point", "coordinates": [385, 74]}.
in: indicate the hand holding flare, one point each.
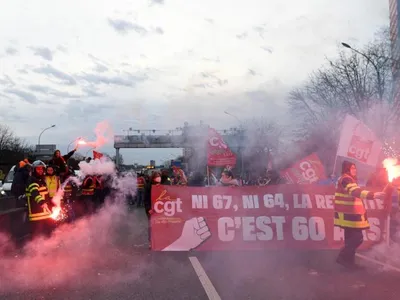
{"type": "Point", "coordinates": [55, 212]}
{"type": "Point", "coordinates": [80, 142]}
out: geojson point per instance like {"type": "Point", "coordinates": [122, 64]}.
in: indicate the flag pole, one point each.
{"type": "Point", "coordinates": [337, 149]}
{"type": "Point", "coordinates": [208, 176]}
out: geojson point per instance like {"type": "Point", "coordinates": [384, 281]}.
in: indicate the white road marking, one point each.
{"type": "Point", "coordinates": [204, 280]}
{"type": "Point", "coordinates": [378, 262]}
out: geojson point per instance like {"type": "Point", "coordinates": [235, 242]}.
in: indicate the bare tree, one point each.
{"type": "Point", "coordinates": [357, 83]}
{"type": "Point", "coordinates": [7, 137]}
{"type": "Point", "coordinates": [258, 137]}
{"type": "Point", "coordinates": [12, 148]}
{"type": "Point", "coordinates": [9, 141]}
{"type": "Point", "coordinates": [263, 134]}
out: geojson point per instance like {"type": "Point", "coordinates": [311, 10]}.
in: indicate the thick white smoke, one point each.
{"type": "Point", "coordinates": [91, 251]}
{"type": "Point", "coordinates": [103, 166]}
{"type": "Point", "coordinates": [389, 254]}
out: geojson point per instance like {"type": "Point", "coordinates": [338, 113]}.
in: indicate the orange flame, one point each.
{"type": "Point", "coordinates": [392, 168]}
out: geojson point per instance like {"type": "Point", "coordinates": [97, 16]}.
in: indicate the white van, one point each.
{"type": "Point", "coordinates": [8, 181]}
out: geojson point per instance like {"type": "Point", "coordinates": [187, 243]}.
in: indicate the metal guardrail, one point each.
{"type": "Point", "coordinates": [13, 219]}
{"type": "Point", "coordinates": [7, 203]}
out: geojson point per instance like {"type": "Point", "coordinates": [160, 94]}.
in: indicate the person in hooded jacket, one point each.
{"type": "Point", "coordinates": [350, 213]}
{"type": "Point", "coordinates": [59, 162]}
{"type": "Point", "coordinates": [20, 180]}
{"type": "Point", "coordinates": [154, 181]}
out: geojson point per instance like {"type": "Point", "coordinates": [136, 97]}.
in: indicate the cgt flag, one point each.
{"type": "Point", "coordinates": [218, 152]}
{"type": "Point", "coordinates": [305, 171]}
{"type": "Point", "coordinates": [97, 155]}
{"type": "Point", "coordinates": [358, 142]}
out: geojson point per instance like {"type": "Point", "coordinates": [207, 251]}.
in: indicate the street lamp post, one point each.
{"type": "Point", "coordinates": [380, 80]}
{"type": "Point", "coordinates": [241, 143]}
{"type": "Point", "coordinates": [378, 73]}
{"type": "Point", "coordinates": [240, 122]}
{"type": "Point", "coordinates": [40, 135]}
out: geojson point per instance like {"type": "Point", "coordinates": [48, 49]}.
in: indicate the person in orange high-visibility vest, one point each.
{"type": "Point", "coordinates": [68, 189]}
{"type": "Point", "coordinates": [52, 181]}
{"type": "Point", "coordinates": [88, 189]}
{"type": "Point", "coordinates": [350, 213]}
{"type": "Point", "coordinates": [140, 190]}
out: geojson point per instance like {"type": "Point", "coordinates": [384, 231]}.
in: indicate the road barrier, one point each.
{"type": "Point", "coordinates": [13, 219]}
{"type": "Point", "coordinates": [7, 203]}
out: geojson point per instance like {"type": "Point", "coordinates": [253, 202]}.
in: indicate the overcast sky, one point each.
{"type": "Point", "coordinates": [155, 64]}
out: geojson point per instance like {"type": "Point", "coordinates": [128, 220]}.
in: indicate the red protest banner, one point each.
{"type": "Point", "coordinates": [218, 153]}
{"type": "Point", "coordinates": [240, 218]}
{"type": "Point", "coordinates": [305, 171]}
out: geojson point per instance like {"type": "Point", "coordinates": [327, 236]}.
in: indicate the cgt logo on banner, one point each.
{"type": "Point", "coordinates": [218, 152]}
{"type": "Point", "coordinates": [223, 218]}
{"type": "Point", "coordinates": [361, 143]}
{"type": "Point", "coordinates": [357, 141]}
{"type": "Point", "coordinates": [306, 171]}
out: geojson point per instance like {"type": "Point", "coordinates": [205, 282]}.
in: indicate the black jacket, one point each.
{"type": "Point", "coordinates": [20, 180]}
{"type": "Point", "coordinates": [60, 163]}
{"type": "Point", "coordinates": [37, 194]}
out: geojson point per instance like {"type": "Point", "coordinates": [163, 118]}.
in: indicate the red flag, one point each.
{"type": "Point", "coordinates": [305, 171]}
{"type": "Point", "coordinates": [97, 155]}
{"type": "Point", "coordinates": [219, 153]}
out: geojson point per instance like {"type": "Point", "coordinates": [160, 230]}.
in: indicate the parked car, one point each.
{"type": "Point", "coordinates": [2, 192]}
{"type": "Point", "coordinates": [6, 186]}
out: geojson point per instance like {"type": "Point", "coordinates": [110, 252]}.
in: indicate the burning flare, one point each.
{"type": "Point", "coordinates": [81, 142]}
{"type": "Point", "coordinates": [392, 168]}
{"type": "Point", "coordinates": [55, 212]}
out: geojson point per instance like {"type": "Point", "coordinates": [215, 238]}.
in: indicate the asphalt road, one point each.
{"type": "Point", "coordinates": [79, 265]}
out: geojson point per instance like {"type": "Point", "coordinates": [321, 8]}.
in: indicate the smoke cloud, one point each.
{"type": "Point", "coordinates": [104, 135]}
{"type": "Point", "coordinates": [90, 251]}
{"type": "Point", "coordinates": [102, 166]}
{"type": "Point", "coordinates": [389, 255]}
